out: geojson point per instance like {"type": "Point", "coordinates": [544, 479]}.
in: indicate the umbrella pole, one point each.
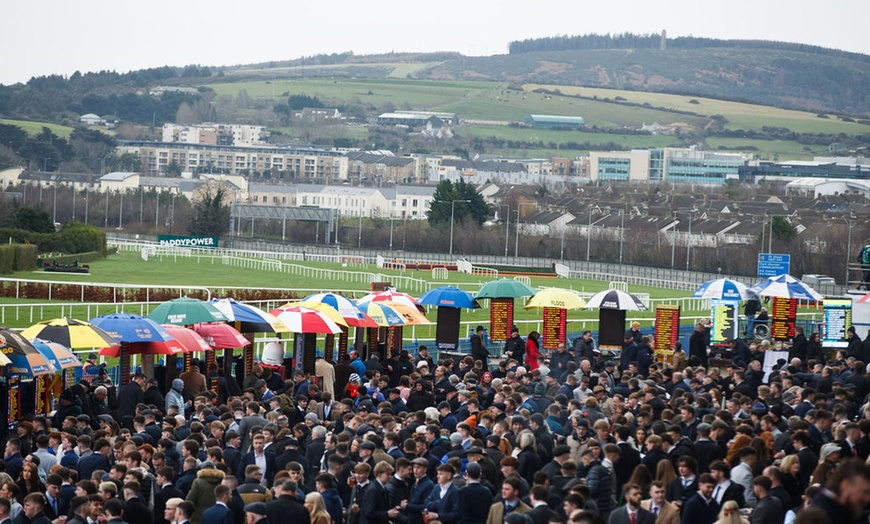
{"type": "Point", "coordinates": [148, 366]}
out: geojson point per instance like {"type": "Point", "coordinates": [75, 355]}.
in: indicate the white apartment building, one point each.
{"type": "Point", "coordinates": [216, 134]}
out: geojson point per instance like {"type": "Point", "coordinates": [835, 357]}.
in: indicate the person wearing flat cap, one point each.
{"type": "Point", "coordinates": [255, 512]}
{"type": "Point", "coordinates": [478, 347]}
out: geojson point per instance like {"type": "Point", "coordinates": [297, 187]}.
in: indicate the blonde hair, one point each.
{"type": "Point", "coordinates": [729, 513]}
{"type": "Point", "coordinates": [317, 505]}
{"type": "Point", "coordinates": [787, 462]}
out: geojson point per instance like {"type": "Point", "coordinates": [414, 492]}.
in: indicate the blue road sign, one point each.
{"type": "Point", "coordinates": [772, 264]}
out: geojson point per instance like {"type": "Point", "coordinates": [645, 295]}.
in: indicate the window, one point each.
{"type": "Point", "coordinates": [414, 203]}
{"type": "Point", "coordinates": [256, 198]}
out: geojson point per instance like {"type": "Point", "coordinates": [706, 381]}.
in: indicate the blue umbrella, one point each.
{"type": "Point", "coordinates": [785, 286]}
{"type": "Point", "coordinates": [723, 289]}
{"type": "Point", "coordinates": [448, 296]}
{"type": "Point", "coordinates": [127, 328]}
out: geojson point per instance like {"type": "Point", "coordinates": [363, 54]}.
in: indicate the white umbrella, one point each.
{"type": "Point", "coordinates": [723, 289]}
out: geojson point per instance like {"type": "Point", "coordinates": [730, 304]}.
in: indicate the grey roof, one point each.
{"type": "Point", "coordinates": [117, 176]}
{"type": "Point", "coordinates": [370, 158]}
{"type": "Point", "coordinates": [271, 188]}
{"type": "Point", "coordinates": [498, 167]}
{"type": "Point", "coordinates": [153, 181]}
{"type": "Point", "coordinates": [53, 176]}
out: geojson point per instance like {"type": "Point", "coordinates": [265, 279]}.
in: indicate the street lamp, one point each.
{"type": "Point", "coordinates": [507, 229]}
{"type": "Point", "coordinates": [589, 234]}
{"type": "Point", "coordinates": [391, 231]}
{"type": "Point", "coordinates": [452, 209]}
{"type": "Point", "coordinates": [850, 221]}
{"type": "Point", "coordinates": [517, 242]}
{"type": "Point", "coordinates": [621, 234]}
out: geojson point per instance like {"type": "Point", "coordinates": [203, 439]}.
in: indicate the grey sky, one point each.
{"type": "Point", "coordinates": [42, 37]}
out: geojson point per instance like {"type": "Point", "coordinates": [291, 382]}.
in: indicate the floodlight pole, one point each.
{"type": "Point", "coordinates": [452, 209]}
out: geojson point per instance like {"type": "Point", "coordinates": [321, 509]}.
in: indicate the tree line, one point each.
{"type": "Point", "coordinates": [593, 41]}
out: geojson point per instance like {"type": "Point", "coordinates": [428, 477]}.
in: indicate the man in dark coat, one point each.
{"type": "Point", "coordinates": [130, 396]}
{"type": "Point", "coordinates": [478, 347]}
{"type": "Point", "coordinates": [286, 508]}
{"type": "Point", "coordinates": [375, 507]}
{"type": "Point", "coordinates": [514, 347]}
{"type": "Point", "coordinates": [701, 508]}
{"type": "Point", "coordinates": [219, 513]}
{"type": "Point", "coordinates": [474, 498]}
{"type": "Point", "coordinates": [768, 510]}
{"type": "Point", "coordinates": [420, 491]}
{"type": "Point", "coordinates": [698, 345]}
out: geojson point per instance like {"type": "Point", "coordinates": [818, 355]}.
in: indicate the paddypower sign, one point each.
{"type": "Point", "coordinates": [191, 242]}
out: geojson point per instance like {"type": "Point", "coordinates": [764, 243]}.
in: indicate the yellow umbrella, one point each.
{"type": "Point", "coordinates": [411, 313]}
{"type": "Point", "coordinates": [4, 360]}
{"type": "Point", "coordinates": [326, 309]}
{"type": "Point", "coordinates": [556, 297]}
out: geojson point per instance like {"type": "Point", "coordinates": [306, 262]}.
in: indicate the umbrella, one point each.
{"type": "Point", "coordinates": [168, 347]}
{"type": "Point", "coordinates": [188, 338]}
{"type": "Point", "coordinates": [556, 297]}
{"type": "Point", "coordinates": [127, 328]}
{"type": "Point", "coordinates": [391, 295]}
{"type": "Point", "coordinates": [59, 356]}
{"type": "Point", "coordinates": [723, 289]}
{"type": "Point", "coordinates": [25, 360]}
{"type": "Point", "coordinates": [218, 335]}
{"type": "Point", "coordinates": [411, 314]}
{"type": "Point", "coordinates": [252, 319]}
{"type": "Point", "coordinates": [383, 314]}
{"type": "Point", "coordinates": [306, 320]}
{"type": "Point", "coordinates": [785, 286]}
{"type": "Point", "coordinates": [615, 299]}
{"type": "Point", "coordinates": [449, 296]}
{"type": "Point", "coordinates": [327, 310]}
{"type": "Point", "coordinates": [505, 288]}
{"type": "Point", "coordinates": [71, 333]}
{"type": "Point", "coordinates": [185, 311]}
{"type": "Point", "coordinates": [346, 307]}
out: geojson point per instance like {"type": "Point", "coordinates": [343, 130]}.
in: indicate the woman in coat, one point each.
{"type": "Point", "coordinates": [533, 350]}
{"type": "Point", "coordinates": [530, 460]}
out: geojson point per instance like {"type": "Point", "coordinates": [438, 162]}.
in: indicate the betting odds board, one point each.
{"type": "Point", "coordinates": [838, 318]}
{"type": "Point", "coordinates": [667, 331]}
{"type": "Point", "coordinates": [724, 323]}
{"type": "Point", "coordinates": [501, 318]}
{"type": "Point", "coordinates": [555, 323]}
{"type": "Point", "coordinates": [782, 318]}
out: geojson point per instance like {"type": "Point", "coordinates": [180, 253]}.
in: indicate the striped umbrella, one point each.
{"type": "Point", "coordinates": [59, 356]}
{"type": "Point", "coordinates": [306, 320]}
{"type": "Point", "coordinates": [391, 295]}
{"type": "Point", "coordinates": [190, 339]}
{"type": "Point", "coordinates": [723, 289]}
{"type": "Point", "coordinates": [785, 286]}
{"type": "Point", "coordinates": [251, 319]}
{"type": "Point", "coordinates": [347, 308]}
{"type": "Point", "coordinates": [26, 360]}
{"type": "Point", "coordinates": [383, 314]}
{"type": "Point", "coordinates": [615, 299]}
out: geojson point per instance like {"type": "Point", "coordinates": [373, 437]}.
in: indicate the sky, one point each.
{"type": "Point", "coordinates": [41, 37]}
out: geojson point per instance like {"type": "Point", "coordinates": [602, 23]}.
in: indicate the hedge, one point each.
{"type": "Point", "coordinates": [74, 237]}
{"type": "Point", "coordinates": [17, 257]}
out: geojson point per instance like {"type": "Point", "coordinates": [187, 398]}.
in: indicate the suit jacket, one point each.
{"type": "Point", "coordinates": [496, 511]}
{"type": "Point", "coordinates": [87, 465]}
{"type": "Point", "coordinates": [706, 451]}
{"type": "Point", "coordinates": [287, 509]}
{"type": "Point", "coordinates": [677, 493]}
{"type": "Point", "coordinates": [668, 514]}
{"type": "Point", "coordinates": [375, 505]}
{"type": "Point", "coordinates": [542, 514]}
{"type": "Point", "coordinates": [248, 459]}
{"type": "Point", "coordinates": [420, 492]}
{"type": "Point", "coordinates": [217, 514]}
{"type": "Point", "coordinates": [160, 497]}
{"type": "Point", "coordinates": [733, 492]}
{"type": "Point", "coordinates": [447, 507]}
{"type": "Point", "coordinates": [698, 511]}
{"type": "Point", "coordinates": [245, 426]}
{"type": "Point", "coordinates": [620, 516]}
{"type": "Point", "coordinates": [474, 502]}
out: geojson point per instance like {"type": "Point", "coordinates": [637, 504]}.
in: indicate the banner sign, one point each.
{"type": "Point", "coordinates": [186, 241]}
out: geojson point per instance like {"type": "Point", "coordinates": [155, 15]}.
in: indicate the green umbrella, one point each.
{"type": "Point", "coordinates": [186, 311]}
{"type": "Point", "coordinates": [505, 288]}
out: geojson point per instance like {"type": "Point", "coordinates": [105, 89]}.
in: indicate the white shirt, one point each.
{"type": "Point", "coordinates": [719, 490]}
{"type": "Point", "coordinates": [260, 460]}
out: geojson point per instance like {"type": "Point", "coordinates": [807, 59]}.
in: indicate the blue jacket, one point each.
{"type": "Point", "coordinates": [217, 514]}
{"type": "Point", "coordinates": [86, 466]}
{"type": "Point", "coordinates": [332, 501]}
{"type": "Point", "coordinates": [417, 502]}
{"type": "Point", "coordinates": [360, 367]}
{"type": "Point", "coordinates": [447, 508]}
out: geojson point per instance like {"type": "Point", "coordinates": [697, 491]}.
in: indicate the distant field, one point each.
{"type": "Point", "coordinates": [559, 137]}
{"type": "Point", "coordinates": [34, 128]}
{"type": "Point", "coordinates": [739, 115]}
{"type": "Point", "coordinates": [130, 268]}
{"type": "Point", "coordinates": [767, 149]}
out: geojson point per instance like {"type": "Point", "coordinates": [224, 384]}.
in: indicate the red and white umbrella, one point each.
{"type": "Point", "coordinates": [188, 338]}
{"type": "Point", "coordinates": [347, 308]}
{"type": "Point", "coordinates": [166, 347]}
{"type": "Point", "coordinates": [221, 336]}
{"type": "Point", "coordinates": [391, 295]}
{"type": "Point", "coordinates": [306, 320]}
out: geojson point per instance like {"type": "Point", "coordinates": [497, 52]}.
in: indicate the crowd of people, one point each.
{"type": "Point", "coordinates": [538, 437]}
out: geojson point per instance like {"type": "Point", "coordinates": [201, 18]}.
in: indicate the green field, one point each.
{"type": "Point", "coordinates": [129, 268]}
{"type": "Point", "coordinates": [740, 115]}
{"type": "Point", "coordinates": [560, 137]}
{"type": "Point", "coordinates": [34, 128]}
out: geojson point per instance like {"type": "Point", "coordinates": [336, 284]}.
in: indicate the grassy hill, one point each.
{"type": "Point", "coordinates": [784, 78]}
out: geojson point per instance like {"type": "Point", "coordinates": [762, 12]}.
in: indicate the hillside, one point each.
{"type": "Point", "coordinates": [785, 78]}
